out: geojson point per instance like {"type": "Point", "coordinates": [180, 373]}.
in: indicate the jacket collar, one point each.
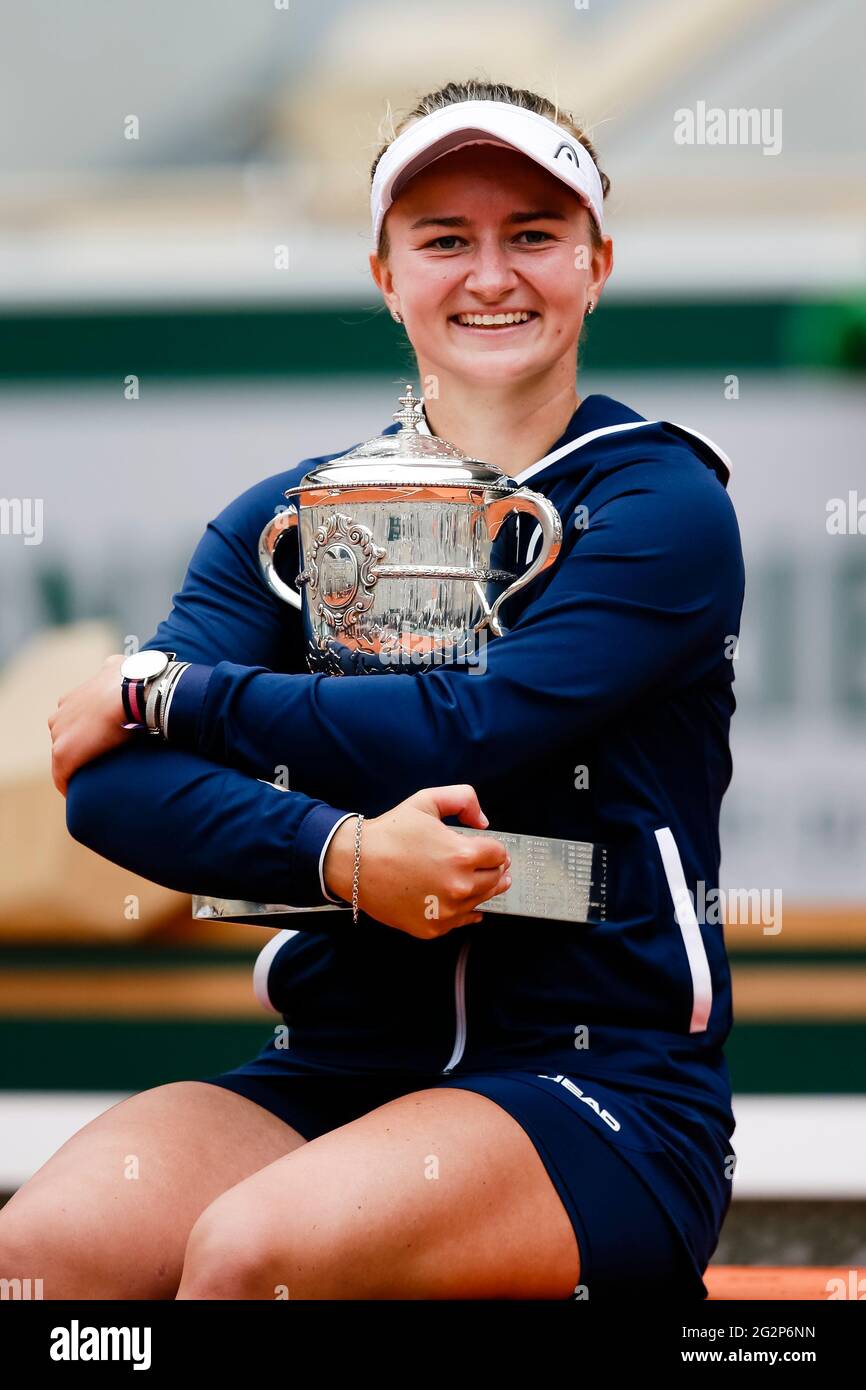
{"type": "Point", "coordinates": [596, 417]}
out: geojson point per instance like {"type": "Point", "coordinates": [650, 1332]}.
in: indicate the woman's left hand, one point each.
{"type": "Point", "coordinates": [87, 723]}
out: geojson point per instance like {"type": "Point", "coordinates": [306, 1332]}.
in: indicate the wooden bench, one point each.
{"type": "Point", "coordinates": [810, 1283]}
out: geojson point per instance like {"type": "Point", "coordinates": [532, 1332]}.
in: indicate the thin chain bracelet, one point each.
{"type": "Point", "coordinates": [357, 869]}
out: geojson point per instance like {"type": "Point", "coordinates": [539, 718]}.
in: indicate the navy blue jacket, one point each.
{"type": "Point", "coordinates": [618, 659]}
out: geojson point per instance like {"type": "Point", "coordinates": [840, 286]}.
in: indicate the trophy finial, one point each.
{"type": "Point", "coordinates": [407, 415]}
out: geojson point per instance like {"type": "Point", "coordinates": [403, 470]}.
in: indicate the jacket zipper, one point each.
{"type": "Point", "coordinates": [460, 1002]}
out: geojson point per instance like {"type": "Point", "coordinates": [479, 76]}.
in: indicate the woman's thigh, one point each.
{"type": "Point", "coordinates": [109, 1214]}
{"type": "Point", "coordinates": [437, 1194]}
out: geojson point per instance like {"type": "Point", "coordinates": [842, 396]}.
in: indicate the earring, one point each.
{"type": "Point", "coordinates": [398, 318]}
{"type": "Point", "coordinates": [589, 308]}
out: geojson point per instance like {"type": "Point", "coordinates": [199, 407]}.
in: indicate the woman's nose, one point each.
{"type": "Point", "coordinates": [491, 271]}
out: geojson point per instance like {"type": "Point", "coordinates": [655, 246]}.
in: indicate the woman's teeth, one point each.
{"type": "Point", "coordinates": [494, 320]}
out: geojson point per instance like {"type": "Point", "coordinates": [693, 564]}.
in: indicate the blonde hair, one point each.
{"type": "Point", "coordinates": [474, 89]}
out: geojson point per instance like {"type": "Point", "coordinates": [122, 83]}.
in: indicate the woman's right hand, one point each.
{"type": "Point", "coordinates": [416, 874]}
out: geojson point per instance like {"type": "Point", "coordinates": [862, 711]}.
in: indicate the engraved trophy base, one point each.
{"type": "Point", "coordinates": [559, 880]}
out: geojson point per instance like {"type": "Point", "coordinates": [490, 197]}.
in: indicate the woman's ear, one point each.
{"type": "Point", "coordinates": [602, 265]}
{"type": "Point", "coordinates": [381, 273]}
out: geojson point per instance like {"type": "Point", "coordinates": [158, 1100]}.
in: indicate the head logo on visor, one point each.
{"type": "Point", "coordinates": [567, 151]}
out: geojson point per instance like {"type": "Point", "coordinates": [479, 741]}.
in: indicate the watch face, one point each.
{"type": "Point", "coordinates": [144, 665]}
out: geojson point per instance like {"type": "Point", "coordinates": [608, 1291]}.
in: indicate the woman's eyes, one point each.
{"type": "Point", "coordinates": [530, 232]}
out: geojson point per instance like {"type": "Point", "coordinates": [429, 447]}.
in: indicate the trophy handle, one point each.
{"type": "Point", "coordinates": [268, 541]}
{"type": "Point", "coordinates": [523, 500]}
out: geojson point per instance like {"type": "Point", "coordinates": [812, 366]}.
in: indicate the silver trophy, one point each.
{"type": "Point", "coordinates": [406, 562]}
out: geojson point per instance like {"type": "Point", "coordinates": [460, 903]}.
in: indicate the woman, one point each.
{"type": "Point", "coordinates": [464, 1106]}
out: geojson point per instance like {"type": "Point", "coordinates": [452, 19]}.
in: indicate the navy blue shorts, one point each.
{"type": "Point", "coordinates": [626, 1240]}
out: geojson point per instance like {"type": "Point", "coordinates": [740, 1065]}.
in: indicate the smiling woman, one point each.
{"type": "Point", "coordinates": [565, 1081]}
{"type": "Point", "coordinates": [491, 251]}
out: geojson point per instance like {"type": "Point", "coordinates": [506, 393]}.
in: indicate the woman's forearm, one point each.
{"type": "Point", "coordinates": [197, 827]}
{"type": "Point", "coordinates": [200, 828]}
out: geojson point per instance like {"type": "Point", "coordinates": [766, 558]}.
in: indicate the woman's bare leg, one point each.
{"type": "Point", "coordinates": [108, 1216]}
{"type": "Point", "coordinates": [437, 1194]}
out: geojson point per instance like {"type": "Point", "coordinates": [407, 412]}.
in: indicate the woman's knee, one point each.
{"type": "Point", "coordinates": [316, 1250]}
{"type": "Point", "coordinates": [108, 1215]}
{"type": "Point", "coordinates": [237, 1251]}
{"type": "Point", "coordinates": [228, 1254]}
{"type": "Point", "coordinates": [22, 1261]}
{"type": "Point", "coordinates": [74, 1251]}
{"type": "Point", "coordinates": [41, 1243]}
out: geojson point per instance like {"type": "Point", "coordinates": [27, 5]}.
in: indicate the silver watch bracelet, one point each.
{"type": "Point", "coordinates": [159, 698]}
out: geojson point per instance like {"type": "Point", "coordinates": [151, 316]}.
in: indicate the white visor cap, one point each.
{"type": "Point", "coordinates": [485, 123]}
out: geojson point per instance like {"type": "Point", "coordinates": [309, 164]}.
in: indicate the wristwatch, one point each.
{"type": "Point", "coordinates": [139, 674]}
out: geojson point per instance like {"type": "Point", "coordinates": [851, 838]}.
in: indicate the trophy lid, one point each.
{"type": "Point", "coordinates": [405, 457]}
